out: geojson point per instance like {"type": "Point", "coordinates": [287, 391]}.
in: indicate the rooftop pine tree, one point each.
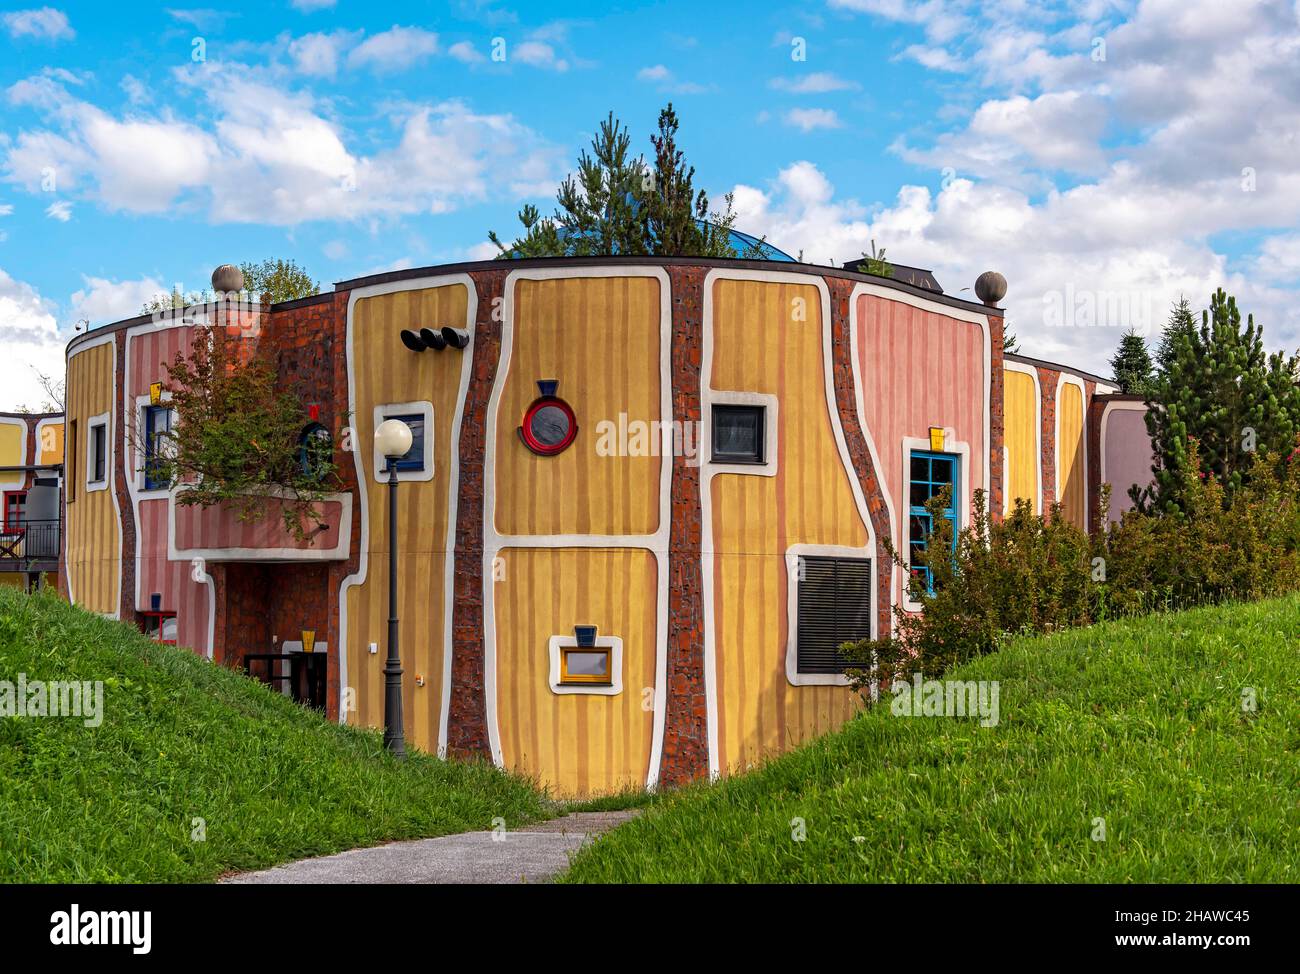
{"type": "Point", "coordinates": [1181, 321]}
{"type": "Point", "coordinates": [1131, 365]}
{"type": "Point", "coordinates": [1224, 391]}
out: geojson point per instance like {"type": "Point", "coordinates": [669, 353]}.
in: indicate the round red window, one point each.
{"type": "Point", "coordinates": [549, 426]}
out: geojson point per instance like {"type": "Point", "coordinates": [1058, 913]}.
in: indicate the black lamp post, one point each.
{"type": "Point", "coordinates": [393, 438]}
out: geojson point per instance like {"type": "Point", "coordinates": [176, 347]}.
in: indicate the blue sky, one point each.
{"type": "Point", "coordinates": [1104, 156]}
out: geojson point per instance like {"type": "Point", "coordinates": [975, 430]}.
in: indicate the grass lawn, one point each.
{"type": "Point", "coordinates": [1139, 723]}
{"type": "Point", "coordinates": [182, 739]}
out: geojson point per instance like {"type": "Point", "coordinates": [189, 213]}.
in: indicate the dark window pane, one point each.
{"type": "Point", "coordinates": [738, 434]}
{"type": "Point", "coordinates": [412, 459]}
{"type": "Point", "coordinates": [920, 467]}
{"type": "Point", "coordinates": [549, 425]}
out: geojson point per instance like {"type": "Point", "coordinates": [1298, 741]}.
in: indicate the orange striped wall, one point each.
{"type": "Point", "coordinates": [577, 744]}
{"type": "Point", "coordinates": [760, 346]}
{"type": "Point", "coordinates": [93, 545]}
{"type": "Point", "coordinates": [385, 372]}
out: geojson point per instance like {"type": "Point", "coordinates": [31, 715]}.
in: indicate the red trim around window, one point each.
{"type": "Point", "coordinates": [15, 526]}
{"type": "Point", "coordinates": [161, 617]}
{"type": "Point", "coordinates": [536, 445]}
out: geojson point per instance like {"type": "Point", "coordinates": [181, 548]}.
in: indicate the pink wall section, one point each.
{"type": "Point", "coordinates": [215, 527]}
{"type": "Point", "coordinates": [1126, 447]}
{"type": "Point", "coordinates": [919, 369]}
{"type": "Point", "coordinates": [190, 600]}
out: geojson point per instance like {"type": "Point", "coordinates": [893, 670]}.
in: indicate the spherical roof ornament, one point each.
{"type": "Point", "coordinates": [227, 278]}
{"type": "Point", "coordinates": [990, 287]}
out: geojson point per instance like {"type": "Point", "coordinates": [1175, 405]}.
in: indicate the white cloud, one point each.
{"type": "Point", "coordinates": [31, 338]}
{"type": "Point", "coordinates": [101, 300]}
{"type": "Point", "coordinates": [395, 49]}
{"type": "Point", "coordinates": [309, 6]}
{"type": "Point", "coordinates": [819, 82]}
{"type": "Point", "coordinates": [539, 54]}
{"type": "Point", "coordinates": [60, 210]}
{"type": "Point", "coordinates": [466, 52]}
{"type": "Point", "coordinates": [655, 73]}
{"type": "Point", "coordinates": [6, 209]}
{"type": "Point", "coordinates": [660, 75]}
{"type": "Point", "coordinates": [273, 156]}
{"type": "Point", "coordinates": [135, 89]}
{"type": "Point", "coordinates": [318, 55]}
{"type": "Point", "coordinates": [809, 119]}
{"type": "Point", "coordinates": [935, 58]}
{"type": "Point", "coordinates": [44, 23]}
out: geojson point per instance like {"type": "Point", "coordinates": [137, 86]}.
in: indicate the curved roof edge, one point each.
{"type": "Point", "coordinates": [436, 270]}
{"type": "Point", "coordinates": [1017, 357]}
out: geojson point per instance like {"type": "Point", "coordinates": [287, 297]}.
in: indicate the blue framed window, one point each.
{"type": "Point", "coordinates": [930, 474]}
{"type": "Point", "coordinates": [412, 459]}
{"type": "Point", "coordinates": [157, 423]}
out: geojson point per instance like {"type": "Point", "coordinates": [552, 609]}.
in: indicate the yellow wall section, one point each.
{"type": "Point", "coordinates": [386, 372]}
{"type": "Point", "coordinates": [600, 338]}
{"type": "Point", "coordinates": [50, 443]}
{"type": "Point", "coordinates": [1020, 418]}
{"type": "Point", "coordinates": [93, 532]}
{"type": "Point", "coordinates": [1070, 447]}
{"type": "Point", "coordinates": [579, 744]}
{"type": "Point", "coordinates": [759, 347]}
{"type": "Point", "coordinates": [13, 436]}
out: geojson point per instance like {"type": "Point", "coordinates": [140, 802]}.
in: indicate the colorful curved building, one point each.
{"type": "Point", "coordinates": [645, 502]}
{"type": "Point", "coordinates": [31, 458]}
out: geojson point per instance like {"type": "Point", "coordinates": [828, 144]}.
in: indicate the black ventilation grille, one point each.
{"type": "Point", "coordinates": [834, 608]}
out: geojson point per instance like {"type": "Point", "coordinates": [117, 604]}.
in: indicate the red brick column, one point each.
{"type": "Point", "coordinates": [997, 424]}
{"type": "Point", "coordinates": [686, 728]}
{"type": "Point", "coordinates": [1047, 379]}
{"type": "Point", "coordinates": [467, 732]}
{"type": "Point", "coordinates": [855, 439]}
{"type": "Point", "coordinates": [1095, 409]}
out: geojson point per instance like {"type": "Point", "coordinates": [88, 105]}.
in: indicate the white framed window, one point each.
{"type": "Point", "coordinates": [925, 471]}
{"type": "Point", "coordinates": [99, 453]}
{"type": "Point", "coordinates": [596, 669]}
{"type": "Point", "coordinates": [741, 434]}
{"type": "Point", "coordinates": [417, 464]}
{"type": "Point", "coordinates": [831, 599]}
{"type": "Point", "coordinates": [152, 425]}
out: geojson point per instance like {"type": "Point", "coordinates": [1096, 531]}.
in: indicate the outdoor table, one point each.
{"type": "Point", "coordinates": [306, 676]}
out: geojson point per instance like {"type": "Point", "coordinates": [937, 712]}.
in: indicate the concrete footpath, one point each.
{"type": "Point", "coordinates": [533, 855]}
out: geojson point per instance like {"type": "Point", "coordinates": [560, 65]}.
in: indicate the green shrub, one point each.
{"type": "Point", "coordinates": [1029, 573]}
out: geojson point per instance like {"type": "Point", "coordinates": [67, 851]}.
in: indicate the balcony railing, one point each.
{"type": "Point", "coordinates": [29, 541]}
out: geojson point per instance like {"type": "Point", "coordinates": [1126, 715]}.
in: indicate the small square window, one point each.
{"type": "Point", "coordinates": [412, 459]}
{"type": "Point", "coordinates": [585, 666]}
{"type": "Point", "coordinates": [159, 626]}
{"type": "Point", "coordinates": [98, 452]}
{"type": "Point", "coordinates": [738, 433]}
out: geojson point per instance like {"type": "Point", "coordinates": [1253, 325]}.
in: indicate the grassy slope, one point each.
{"type": "Point", "coordinates": [1138, 722]}
{"type": "Point", "coordinates": [182, 739]}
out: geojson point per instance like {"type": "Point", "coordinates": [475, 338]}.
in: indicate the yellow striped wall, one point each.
{"type": "Point", "coordinates": [13, 441]}
{"type": "Point", "coordinates": [758, 346]}
{"type": "Point", "coordinates": [93, 544]}
{"type": "Point", "coordinates": [577, 744]}
{"type": "Point", "coordinates": [385, 372]}
{"type": "Point", "coordinates": [1021, 431]}
{"type": "Point", "coordinates": [1071, 473]}
{"type": "Point", "coordinates": [599, 337]}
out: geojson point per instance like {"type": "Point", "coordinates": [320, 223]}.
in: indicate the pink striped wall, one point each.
{"type": "Point", "coordinates": [217, 528]}
{"type": "Point", "coordinates": [919, 369]}
{"type": "Point", "coordinates": [173, 580]}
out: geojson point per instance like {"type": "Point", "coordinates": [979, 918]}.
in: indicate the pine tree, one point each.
{"type": "Point", "coordinates": [1181, 321]}
{"type": "Point", "coordinates": [622, 205]}
{"type": "Point", "coordinates": [1224, 391]}
{"type": "Point", "coordinates": [1131, 365]}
